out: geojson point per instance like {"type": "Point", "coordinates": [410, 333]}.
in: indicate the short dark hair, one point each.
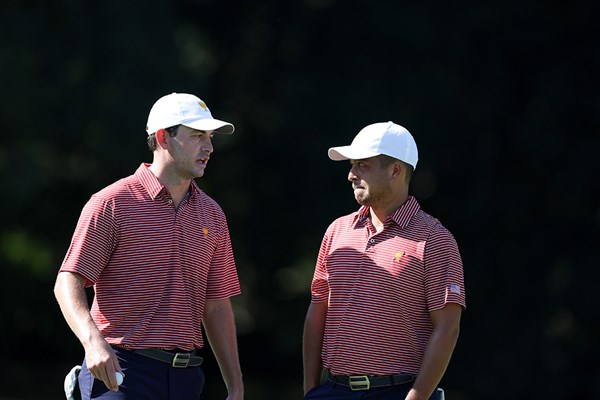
{"type": "Point", "coordinates": [152, 137]}
{"type": "Point", "coordinates": [385, 160]}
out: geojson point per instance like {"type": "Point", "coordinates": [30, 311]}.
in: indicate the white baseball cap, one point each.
{"type": "Point", "coordinates": [380, 138]}
{"type": "Point", "coordinates": [184, 109]}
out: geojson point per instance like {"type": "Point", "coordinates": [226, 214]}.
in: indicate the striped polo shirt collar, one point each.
{"type": "Point", "coordinates": [362, 215]}
{"type": "Point", "coordinates": [401, 216]}
{"type": "Point", "coordinates": [153, 186]}
{"type": "Point", "coordinates": [405, 212]}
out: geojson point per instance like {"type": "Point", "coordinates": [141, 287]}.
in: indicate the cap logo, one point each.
{"type": "Point", "coordinates": [201, 104]}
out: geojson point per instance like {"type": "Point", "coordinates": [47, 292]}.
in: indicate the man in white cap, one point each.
{"type": "Point", "coordinates": [387, 292]}
{"type": "Point", "coordinates": [158, 253]}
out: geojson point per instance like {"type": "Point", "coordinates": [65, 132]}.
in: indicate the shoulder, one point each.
{"type": "Point", "coordinates": [344, 221]}
{"type": "Point", "coordinates": [207, 204]}
{"type": "Point", "coordinates": [437, 234]}
{"type": "Point", "coordinates": [342, 224]}
{"type": "Point", "coordinates": [123, 187]}
{"type": "Point", "coordinates": [125, 191]}
{"type": "Point", "coordinates": [423, 218]}
{"type": "Point", "coordinates": [431, 227]}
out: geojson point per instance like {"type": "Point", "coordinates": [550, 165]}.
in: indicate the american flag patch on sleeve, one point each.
{"type": "Point", "coordinates": [454, 288]}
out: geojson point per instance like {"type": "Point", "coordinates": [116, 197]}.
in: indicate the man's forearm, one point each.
{"type": "Point", "coordinates": [438, 352]}
{"type": "Point", "coordinates": [312, 344]}
{"type": "Point", "coordinates": [312, 359]}
{"type": "Point", "coordinates": [219, 325]}
{"type": "Point", "coordinates": [72, 300]}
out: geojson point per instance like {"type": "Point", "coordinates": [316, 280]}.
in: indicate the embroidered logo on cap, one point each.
{"type": "Point", "coordinates": [201, 104]}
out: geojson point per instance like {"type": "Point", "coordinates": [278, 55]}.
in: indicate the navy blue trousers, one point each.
{"type": "Point", "coordinates": [145, 379]}
{"type": "Point", "coordinates": [332, 391]}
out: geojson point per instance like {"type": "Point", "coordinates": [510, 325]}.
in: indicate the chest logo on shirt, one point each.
{"type": "Point", "coordinates": [205, 231]}
{"type": "Point", "coordinates": [398, 255]}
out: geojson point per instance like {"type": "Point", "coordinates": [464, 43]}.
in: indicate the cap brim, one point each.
{"type": "Point", "coordinates": [210, 124]}
{"type": "Point", "coordinates": [349, 153]}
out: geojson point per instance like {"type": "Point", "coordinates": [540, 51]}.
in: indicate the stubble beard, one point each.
{"type": "Point", "coordinates": [362, 198]}
{"type": "Point", "coordinates": [370, 197]}
{"type": "Point", "coordinates": [190, 171]}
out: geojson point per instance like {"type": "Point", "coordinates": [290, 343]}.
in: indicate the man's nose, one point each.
{"type": "Point", "coordinates": [351, 176]}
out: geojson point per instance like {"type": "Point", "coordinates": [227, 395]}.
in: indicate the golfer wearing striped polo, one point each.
{"type": "Point", "coordinates": [387, 291]}
{"type": "Point", "coordinates": [157, 251]}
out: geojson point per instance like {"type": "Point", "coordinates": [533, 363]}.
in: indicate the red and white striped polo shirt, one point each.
{"type": "Point", "coordinates": [381, 288]}
{"type": "Point", "coordinates": [152, 266]}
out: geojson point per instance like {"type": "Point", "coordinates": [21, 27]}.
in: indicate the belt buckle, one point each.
{"type": "Point", "coordinates": [181, 360]}
{"type": "Point", "coordinates": [359, 382]}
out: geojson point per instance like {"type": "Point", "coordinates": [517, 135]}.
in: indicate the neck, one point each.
{"type": "Point", "coordinates": [380, 212]}
{"type": "Point", "coordinates": [176, 186]}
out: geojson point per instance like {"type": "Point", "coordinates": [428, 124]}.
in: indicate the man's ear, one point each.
{"type": "Point", "coordinates": [161, 138]}
{"type": "Point", "coordinates": [398, 170]}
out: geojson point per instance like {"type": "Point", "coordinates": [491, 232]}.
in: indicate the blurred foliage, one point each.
{"type": "Point", "coordinates": [502, 98]}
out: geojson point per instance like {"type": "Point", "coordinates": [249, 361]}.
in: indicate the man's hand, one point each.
{"type": "Point", "coordinates": [100, 358]}
{"type": "Point", "coordinates": [102, 362]}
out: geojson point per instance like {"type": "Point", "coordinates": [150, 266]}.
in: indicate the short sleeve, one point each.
{"type": "Point", "coordinates": [444, 277]}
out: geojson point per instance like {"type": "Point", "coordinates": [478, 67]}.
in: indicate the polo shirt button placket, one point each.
{"type": "Point", "coordinates": [370, 245]}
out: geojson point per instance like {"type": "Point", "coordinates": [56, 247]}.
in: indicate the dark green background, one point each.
{"type": "Point", "coordinates": [501, 97]}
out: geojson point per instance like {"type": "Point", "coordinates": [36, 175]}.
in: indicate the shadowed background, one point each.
{"type": "Point", "coordinates": [501, 97]}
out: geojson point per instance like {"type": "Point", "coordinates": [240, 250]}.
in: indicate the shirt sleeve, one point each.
{"type": "Point", "coordinates": [223, 281]}
{"type": "Point", "coordinates": [320, 283]}
{"type": "Point", "coordinates": [93, 242]}
{"type": "Point", "coordinates": [444, 278]}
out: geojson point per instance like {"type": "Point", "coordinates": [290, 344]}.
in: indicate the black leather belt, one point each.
{"type": "Point", "coordinates": [366, 382]}
{"type": "Point", "coordinates": [177, 360]}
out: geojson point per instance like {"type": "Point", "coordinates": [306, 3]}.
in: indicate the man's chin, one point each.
{"type": "Point", "coordinates": [199, 172]}
{"type": "Point", "coordinates": [360, 200]}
